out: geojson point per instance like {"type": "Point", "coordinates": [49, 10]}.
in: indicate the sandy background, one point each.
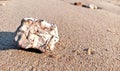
{"type": "Point", "coordinates": [79, 29]}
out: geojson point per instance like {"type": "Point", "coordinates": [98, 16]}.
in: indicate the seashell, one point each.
{"type": "Point", "coordinates": [92, 6]}
{"type": "Point", "coordinates": [37, 34]}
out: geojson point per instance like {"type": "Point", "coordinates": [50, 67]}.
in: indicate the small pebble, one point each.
{"type": "Point", "coordinates": [106, 49]}
{"type": "Point", "coordinates": [78, 3]}
{"type": "Point", "coordinates": [90, 51]}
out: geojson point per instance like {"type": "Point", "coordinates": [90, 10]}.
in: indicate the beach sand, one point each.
{"type": "Point", "coordinates": [89, 39]}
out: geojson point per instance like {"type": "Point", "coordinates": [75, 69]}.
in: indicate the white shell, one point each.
{"type": "Point", "coordinates": [92, 6]}
{"type": "Point", "coordinates": [36, 36]}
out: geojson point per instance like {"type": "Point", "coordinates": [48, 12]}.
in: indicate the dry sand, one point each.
{"type": "Point", "coordinates": [89, 39]}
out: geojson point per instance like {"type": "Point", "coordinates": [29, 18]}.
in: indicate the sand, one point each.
{"type": "Point", "coordinates": [89, 39]}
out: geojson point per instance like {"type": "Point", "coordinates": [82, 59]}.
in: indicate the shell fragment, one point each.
{"type": "Point", "coordinates": [38, 34]}
{"type": "Point", "coordinates": [92, 6]}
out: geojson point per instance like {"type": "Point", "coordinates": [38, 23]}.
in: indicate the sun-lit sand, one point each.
{"type": "Point", "coordinates": [89, 38]}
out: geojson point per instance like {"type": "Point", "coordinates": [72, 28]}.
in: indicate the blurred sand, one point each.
{"type": "Point", "coordinates": [79, 28]}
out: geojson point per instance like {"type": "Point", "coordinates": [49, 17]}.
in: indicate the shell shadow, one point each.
{"type": "Point", "coordinates": [6, 41]}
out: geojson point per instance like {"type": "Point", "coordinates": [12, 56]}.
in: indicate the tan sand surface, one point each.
{"type": "Point", "coordinates": [89, 39]}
